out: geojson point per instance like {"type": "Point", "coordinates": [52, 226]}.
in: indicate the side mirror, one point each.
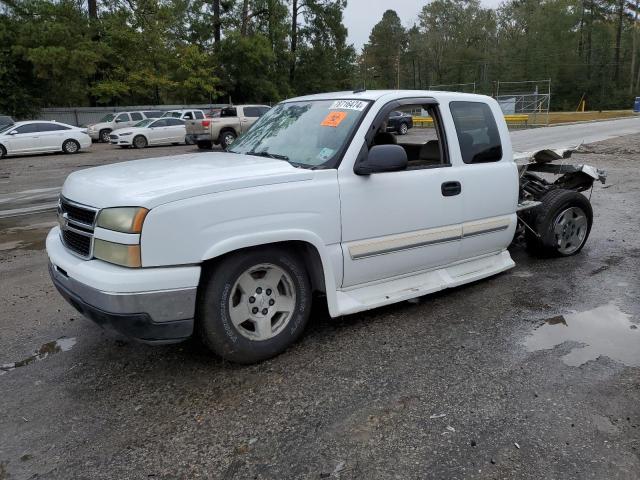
{"type": "Point", "coordinates": [119, 121]}
{"type": "Point", "coordinates": [383, 158]}
{"type": "Point", "coordinates": [13, 132]}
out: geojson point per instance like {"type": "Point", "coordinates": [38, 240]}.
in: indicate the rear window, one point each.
{"type": "Point", "coordinates": [477, 132]}
{"type": "Point", "coordinates": [229, 112]}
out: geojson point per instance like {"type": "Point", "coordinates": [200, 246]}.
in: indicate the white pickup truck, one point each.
{"type": "Point", "coordinates": [316, 197]}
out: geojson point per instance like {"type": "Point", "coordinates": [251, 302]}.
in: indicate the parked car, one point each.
{"type": "Point", "coordinates": [113, 121]}
{"type": "Point", "coordinates": [399, 122]}
{"type": "Point", "coordinates": [159, 131]}
{"type": "Point", "coordinates": [223, 130]}
{"type": "Point", "coordinates": [6, 120]}
{"type": "Point", "coordinates": [42, 136]}
{"type": "Point", "coordinates": [187, 114]}
{"type": "Point", "coordinates": [316, 197]}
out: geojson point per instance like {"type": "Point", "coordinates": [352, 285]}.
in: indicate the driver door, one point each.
{"type": "Point", "coordinates": [399, 223]}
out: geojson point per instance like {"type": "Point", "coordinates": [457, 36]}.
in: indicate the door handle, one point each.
{"type": "Point", "coordinates": [449, 189]}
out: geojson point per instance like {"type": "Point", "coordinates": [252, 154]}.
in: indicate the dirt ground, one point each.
{"type": "Point", "coordinates": [534, 373]}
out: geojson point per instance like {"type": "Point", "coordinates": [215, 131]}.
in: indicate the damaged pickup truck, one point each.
{"type": "Point", "coordinates": [317, 197]}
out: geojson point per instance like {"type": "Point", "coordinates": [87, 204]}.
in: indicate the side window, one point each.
{"type": "Point", "coordinates": [198, 115]}
{"type": "Point", "coordinates": [163, 122]}
{"type": "Point", "coordinates": [153, 114]}
{"type": "Point", "coordinates": [229, 112]}
{"type": "Point", "coordinates": [123, 117]}
{"type": "Point", "coordinates": [136, 117]}
{"type": "Point", "coordinates": [477, 132]}
{"type": "Point", "coordinates": [50, 127]}
{"type": "Point", "coordinates": [251, 112]}
{"type": "Point", "coordinates": [417, 129]}
{"type": "Point", "coordinates": [28, 128]}
{"type": "Point", "coordinates": [188, 116]}
{"type": "Point", "coordinates": [172, 122]}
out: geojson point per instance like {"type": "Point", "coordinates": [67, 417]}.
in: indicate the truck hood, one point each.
{"type": "Point", "coordinates": [154, 181]}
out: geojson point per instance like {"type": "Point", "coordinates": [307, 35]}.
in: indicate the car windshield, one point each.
{"type": "Point", "coordinates": [4, 128]}
{"type": "Point", "coordinates": [144, 123]}
{"type": "Point", "coordinates": [107, 118]}
{"type": "Point", "coordinates": [309, 134]}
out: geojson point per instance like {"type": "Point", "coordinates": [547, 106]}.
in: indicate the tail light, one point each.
{"type": "Point", "coordinates": [206, 123]}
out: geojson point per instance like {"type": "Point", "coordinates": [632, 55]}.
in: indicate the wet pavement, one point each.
{"type": "Point", "coordinates": [533, 373]}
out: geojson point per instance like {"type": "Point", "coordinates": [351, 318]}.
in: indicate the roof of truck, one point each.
{"type": "Point", "coordinates": [388, 95]}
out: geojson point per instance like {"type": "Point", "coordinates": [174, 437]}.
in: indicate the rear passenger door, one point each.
{"type": "Point", "coordinates": [136, 117]}
{"type": "Point", "coordinates": [176, 130]}
{"type": "Point", "coordinates": [249, 116]}
{"type": "Point", "coordinates": [488, 177]}
{"type": "Point", "coordinates": [52, 136]}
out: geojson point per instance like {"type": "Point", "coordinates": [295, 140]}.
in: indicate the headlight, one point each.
{"type": "Point", "coordinates": [122, 219]}
{"type": "Point", "coordinates": [125, 255]}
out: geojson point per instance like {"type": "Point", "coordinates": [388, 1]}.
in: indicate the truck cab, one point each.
{"type": "Point", "coordinates": [317, 197]}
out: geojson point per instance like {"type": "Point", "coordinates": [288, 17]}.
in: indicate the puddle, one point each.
{"type": "Point", "coordinates": [604, 331]}
{"type": "Point", "coordinates": [24, 237]}
{"type": "Point", "coordinates": [60, 345]}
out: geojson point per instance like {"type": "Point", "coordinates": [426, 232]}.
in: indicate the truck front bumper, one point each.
{"type": "Point", "coordinates": [149, 315]}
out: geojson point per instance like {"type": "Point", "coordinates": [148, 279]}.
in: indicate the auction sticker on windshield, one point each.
{"type": "Point", "coordinates": [334, 119]}
{"type": "Point", "coordinates": [348, 105]}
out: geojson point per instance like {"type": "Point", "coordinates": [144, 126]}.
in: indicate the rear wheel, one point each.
{"type": "Point", "coordinates": [227, 137]}
{"type": "Point", "coordinates": [70, 146]}
{"type": "Point", "coordinates": [254, 304]}
{"type": "Point", "coordinates": [563, 223]}
{"type": "Point", "coordinates": [404, 128]}
{"type": "Point", "coordinates": [205, 145]}
{"type": "Point", "coordinates": [139, 141]}
{"type": "Point", "coordinates": [3, 151]}
{"type": "Point", "coordinates": [104, 135]}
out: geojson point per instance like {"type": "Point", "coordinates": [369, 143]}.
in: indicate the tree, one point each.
{"type": "Point", "coordinates": [387, 43]}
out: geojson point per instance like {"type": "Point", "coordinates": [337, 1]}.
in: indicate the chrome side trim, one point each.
{"type": "Point", "coordinates": [423, 238]}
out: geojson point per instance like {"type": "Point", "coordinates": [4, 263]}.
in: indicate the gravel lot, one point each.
{"type": "Point", "coordinates": [534, 373]}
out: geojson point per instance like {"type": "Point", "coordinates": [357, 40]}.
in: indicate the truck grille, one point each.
{"type": "Point", "coordinates": [76, 226]}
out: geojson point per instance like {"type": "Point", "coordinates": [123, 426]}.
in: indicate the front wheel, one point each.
{"type": "Point", "coordinates": [562, 224]}
{"type": "Point", "coordinates": [404, 128]}
{"type": "Point", "coordinates": [254, 304]}
{"type": "Point", "coordinates": [139, 142]}
{"type": "Point", "coordinates": [3, 151]}
{"type": "Point", "coordinates": [70, 146]}
{"type": "Point", "coordinates": [105, 136]}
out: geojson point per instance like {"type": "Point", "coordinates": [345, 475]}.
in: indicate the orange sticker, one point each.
{"type": "Point", "coordinates": [333, 119]}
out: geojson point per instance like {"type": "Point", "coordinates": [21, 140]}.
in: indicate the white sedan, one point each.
{"type": "Point", "coordinates": [41, 137]}
{"type": "Point", "coordinates": [161, 131]}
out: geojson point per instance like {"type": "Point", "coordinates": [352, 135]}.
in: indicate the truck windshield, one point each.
{"type": "Point", "coordinates": [306, 133]}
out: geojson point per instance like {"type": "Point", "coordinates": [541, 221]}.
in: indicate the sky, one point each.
{"type": "Point", "coordinates": [361, 15]}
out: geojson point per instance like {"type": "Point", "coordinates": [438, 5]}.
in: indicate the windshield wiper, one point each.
{"type": "Point", "coordinates": [264, 153]}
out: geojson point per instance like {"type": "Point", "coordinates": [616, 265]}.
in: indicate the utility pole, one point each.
{"type": "Point", "coordinates": [633, 50]}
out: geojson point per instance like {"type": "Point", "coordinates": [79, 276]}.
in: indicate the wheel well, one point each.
{"type": "Point", "coordinates": [304, 250]}
{"type": "Point", "coordinates": [227, 129]}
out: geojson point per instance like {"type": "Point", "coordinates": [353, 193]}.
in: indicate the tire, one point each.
{"type": "Point", "coordinates": [104, 135]}
{"type": "Point", "coordinates": [139, 141]}
{"type": "Point", "coordinates": [403, 129]}
{"type": "Point", "coordinates": [70, 146]}
{"type": "Point", "coordinates": [205, 145]}
{"type": "Point", "coordinates": [227, 137]}
{"type": "Point", "coordinates": [563, 223]}
{"type": "Point", "coordinates": [3, 151]}
{"type": "Point", "coordinates": [175, 144]}
{"type": "Point", "coordinates": [276, 311]}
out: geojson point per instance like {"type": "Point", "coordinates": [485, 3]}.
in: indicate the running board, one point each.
{"type": "Point", "coordinates": [404, 288]}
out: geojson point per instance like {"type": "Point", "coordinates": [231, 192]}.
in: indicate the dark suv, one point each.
{"type": "Point", "coordinates": [399, 122]}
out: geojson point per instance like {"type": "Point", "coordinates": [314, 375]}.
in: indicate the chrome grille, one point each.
{"type": "Point", "coordinates": [76, 225]}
